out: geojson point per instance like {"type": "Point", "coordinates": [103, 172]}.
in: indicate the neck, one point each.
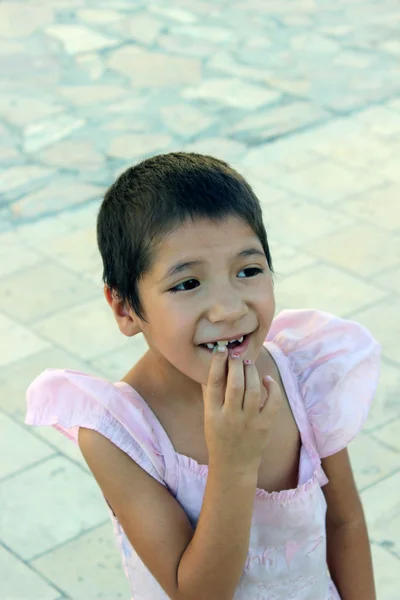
{"type": "Point", "coordinates": [155, 377]}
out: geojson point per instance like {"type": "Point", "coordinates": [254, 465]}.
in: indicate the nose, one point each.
{"type": "Point", "coordinates": [228, 306]}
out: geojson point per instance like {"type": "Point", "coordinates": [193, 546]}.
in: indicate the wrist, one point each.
{"type": "Point", "coordinates": [246, 475]}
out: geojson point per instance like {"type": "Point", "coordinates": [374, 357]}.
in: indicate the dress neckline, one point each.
{"type": "Point", "coordinates": [296, 404]}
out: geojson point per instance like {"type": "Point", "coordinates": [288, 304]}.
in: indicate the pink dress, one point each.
{"type": "Point", "coordinates": [329, 367]}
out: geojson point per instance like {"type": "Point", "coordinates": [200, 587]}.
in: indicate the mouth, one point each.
{"type": "Point", "coordinates": [238, 345]}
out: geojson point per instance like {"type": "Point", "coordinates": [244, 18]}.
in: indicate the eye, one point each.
{"type": "Point", "coordinates": [185, 286]}
{"type": "Point", "coordinates": [251, 272]}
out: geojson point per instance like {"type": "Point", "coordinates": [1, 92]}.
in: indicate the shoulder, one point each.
{"type": "Point", "coordinates": [319, 333]}
{"type": "Point", "coordinates": [70, 400]}
{"type": "Point", "coordinates": [336, 364]}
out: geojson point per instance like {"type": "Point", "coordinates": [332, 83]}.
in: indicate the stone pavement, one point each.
{"type": "Point", "coordinates": [304, 98]}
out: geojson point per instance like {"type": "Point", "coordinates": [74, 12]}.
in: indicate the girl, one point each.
{"type": "Point", "coordinates": [222, 452]}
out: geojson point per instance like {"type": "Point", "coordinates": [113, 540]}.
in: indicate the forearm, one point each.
{"type": "Point", "coordinates": [213, 562]}
{"type": "Point", "coordinates": [349, 560]}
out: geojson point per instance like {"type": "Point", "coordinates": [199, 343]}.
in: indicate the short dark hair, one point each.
{"type": "Point", "coordinates": [150, 199]}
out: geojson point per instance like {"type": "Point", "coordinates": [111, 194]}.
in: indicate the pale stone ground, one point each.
{"type": "Point", "coordinates": [304, 98]}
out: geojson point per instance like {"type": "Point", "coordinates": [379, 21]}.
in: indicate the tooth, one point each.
{"type": "Point", "coordinates": [223, 343]}
{"type": "Point", "coordinates": [211, 346]}
{"type": "Point", "coordinates": [240, 340]}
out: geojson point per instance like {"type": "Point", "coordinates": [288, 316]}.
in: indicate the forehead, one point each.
{"type": "Point", "coordinates": [202, 239]}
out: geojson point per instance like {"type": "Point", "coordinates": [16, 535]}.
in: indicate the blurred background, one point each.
{"type": "Point", "coordinates": [303, 97]}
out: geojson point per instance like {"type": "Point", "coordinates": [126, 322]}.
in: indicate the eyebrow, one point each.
{"type": "Point", "coordinates": [184, 265]}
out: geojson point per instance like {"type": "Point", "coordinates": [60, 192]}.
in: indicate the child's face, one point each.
{"type": "Point", "coordinates": [223, 296]}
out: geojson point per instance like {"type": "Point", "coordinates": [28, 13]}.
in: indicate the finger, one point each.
{"type": "Point", "coordinates": [216, 384]}
{"type": "Point", "coordinates": [234, 384]}
{"type": "Point", "coordinates": [274, 398]}
{"type": "Point", "coordinates": [252, 393]}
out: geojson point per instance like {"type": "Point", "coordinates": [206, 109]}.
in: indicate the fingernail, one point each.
{"type": "Point", "coordinates": [268, 378]}
{"type": "Point", "coordinates": [235, 355]}
{"type": "Point", "coordinates": [247, 361]}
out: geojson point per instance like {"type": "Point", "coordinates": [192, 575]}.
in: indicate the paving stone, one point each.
{"type": "Point", "coordinates": [43, 133]}
{"type": "Point", "coordinates": [381, 505]}
{"type": "Point", "coordinates": [390, 436]}
{"type": "Point", "coordinates": [386, 568]}
{"type": "Point", "coordinates": [130, 146]}
{"type": "Point", "coordinates": [116, 364]}
{"type": "Point", "coordinates": [232, 92]}
{"type": "Point", "coordinates": [296, 221]}
{"type": "Point", "coordinates": [133, 104]}
{"type": "Point", "coordinates": [76, 251]}
{"type": "Point", "coordinates": [386, 405]}
{"type": "Point", "coordinates": [20, 175]}
{"type": "Point", "coordinates": [382, 121]}
{"type": "Point", "coordinates": [198, 7]}
{"type": "Point", "coordinates": [382, 320]}
{"type": "Point", "coordinates": [391, 46]}
{"type": "Point", "coordinates": [37, 235]}
{"type": "Point", "coordinates": [34, 17]}
{"type": "Point", "coordinates": [154, 69]}
{"type": "Point", "coordinates": [9, 154]}
{"type": "Point", "coordinates": [10, 47]}
{"type": "Point", "coordinates": [184, 46]}
{"type": "Point", "coordinates": [372, 461]}
{"type": "Point", "coordinates": [60, 443]}
{"type": "Point", "coordinates": [288, 260]}
{"type": "Point", "coordinates": [21, 111]}
{"type": "Point", "coordinates": [63, 289]}
{"type": "Point", "coordinates": [360, 60]}
{"type": "Point", "coordinates": [222, 61]}
{"type": "Point", "coordinates": [82, 95]}
{"type": "Point", "coordinates": [378, 207]}
{"type": "Point", "coordinates": [278, 121]}
{"type": "Point", "coordinates": [390, 168]}
{"type": "Point", "coordinates": [92, 64]}
{"type": "Point", "coordinates": [83, 217]}
{"type": "Point", "coordinates": [19, 449]}
{"type": "Point", "coordinates": [299, 289]}
{"type": "Point", "coordinates": [20, 582]}
{"type": "Point", "coordinates": [99, 16]}
{"type": "Point", "coordinates": [88, 567]}
{"type": "Point", "coordinates": [15, 255]}
{"type": "Point", "coordinates": [389, 279]}
{"type": "Point", "coordinates": [394, 104]}
{"type": "Point", "coordinates": [279, 154]}
{"type": "Point", "coordinates": [54, 197]}
{"type": "Point", "coordinates": [184, 120]}
{"type": "Point", "coordinates": [173, 13]}
{"type": "Point", "coordinates": [267, 195]}
{"type": "Point", "coordinates": [58, 500]}
{"type": "Point", "coordinates": [359, 151]}
{"type": "Point", "coordinates": [128, 124]}
{"type": "Point", "coordinates": [15, 379]}
{"type": "Point", "coordinates": [18, 341]}
{"type": "Point", "coordinates": [264, 172]}
{"type": "Point", "coordinates": [94, 322]}
{"type": "Point", "coordinates": [223, 148]}
{"type": "Point", "coordinates": [72, 154]}
{"type": "Point", "coordinates": [143, 28]}
{"type": "Point", "coordinates": [77, 38]}
{"type": "Point", "coordinates": [329, 183]}
{"type": "Point", "coordinates": [212, 34]}
{"type": "Point", "coordinates": [371, 249]}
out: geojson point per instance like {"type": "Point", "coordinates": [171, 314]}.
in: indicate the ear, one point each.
{"type": "Point", "coordinates": [128, 322]}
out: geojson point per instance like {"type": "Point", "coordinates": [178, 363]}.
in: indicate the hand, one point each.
{"type": "Point", "coordinates": [236, 422]}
